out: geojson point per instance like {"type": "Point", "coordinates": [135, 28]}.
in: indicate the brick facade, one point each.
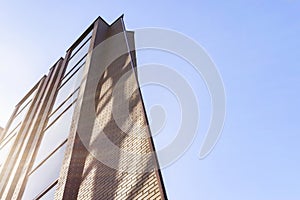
{"type": "Point", "coordinates": [124, 166]}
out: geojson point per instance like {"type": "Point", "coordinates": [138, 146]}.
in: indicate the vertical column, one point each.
{"type": "Point", "coordinates": [12, 163]}
{"type": "Point", "coordinates": [36, 134]}
{"type": "Point", "coordinates": [84, 176]}
{"type": "Point", "coordinates": [70, 176]}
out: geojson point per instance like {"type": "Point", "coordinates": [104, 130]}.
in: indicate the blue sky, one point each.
{"type": "Point", "coordinates": [255, 45]}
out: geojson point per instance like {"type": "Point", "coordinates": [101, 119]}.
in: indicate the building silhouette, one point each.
{"type": "Point", "coordinates": [66, 138]}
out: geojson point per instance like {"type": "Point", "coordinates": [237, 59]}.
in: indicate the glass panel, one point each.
{"type": "Point", "coordinates": [88, 37]}
{"type": "Point", "coordinates": [20, 114]}
{"type": "Point", "coordinates": [5, 150]}
{"type": "Point", "coordinates": [16, 123]}
{"type": "Point", "coordinates": [44, 175]}
{"type": "Point", "coordinates": [70, 73]}
{"type": "Point", "coordinates": [25, 103]}
{"type": "Point", "coordinates": [78, 56]}
{"type": "Point", "coordinates": [54, 136]}
{"type": "Point", "coordinates": [50, 194]}
{"type": "Point", "coordinates": [68, 88]}
{"type": "Point", "coordinates": [63, 106]}
{"type": "Point", "coordinates": [9, 137]}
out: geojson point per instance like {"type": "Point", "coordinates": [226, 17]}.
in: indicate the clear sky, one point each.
{"type": "Point", "coordinates": [255, 45]}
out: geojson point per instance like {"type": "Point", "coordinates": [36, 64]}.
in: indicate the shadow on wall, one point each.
{"type": "Point", "coordinates": [89, 177]}
{"type": "Point", "coordinates": [96, 174]}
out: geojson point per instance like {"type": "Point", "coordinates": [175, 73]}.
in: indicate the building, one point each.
{"type": "Point", "coordinates": [1, 129]}
{"type": "Point", "coordinates": [71, 137]}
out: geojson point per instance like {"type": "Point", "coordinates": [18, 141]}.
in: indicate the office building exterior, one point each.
{"type": "Point", "coordinates": [53, 143]}
{"type": "Point", "coordinates": [1, 129]}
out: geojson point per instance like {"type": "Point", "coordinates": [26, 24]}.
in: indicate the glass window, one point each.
{"type": "Point", "coordinates": [71, 81]}
{"type": "Point", "coordinates": [74, 70]}
{"type": "Point", "coordinates": [84, 41]}
{"type": "Point", "coordinates": [49, 157]}
{"type": "Point", "coordinates": [16, 123]}
{"type": "Point", "coordinates": [75, 58]}
{"type": "Point", "coordinates": [25, 104]}
{"type": "Point", "coordinates": [5, 150]}
{"type": "Point", "coordinates": [68, 88]}
{"type": "Point", "coordinates": [46, 174]}
{"type": "Point", "coordinates": [61, 108]}
{"type": "Point", "coordinates": [20, 115]}
{"type": "Point", "coordinates": [50, 194]}
{"type": "Point", "coordinates": [54, 136]}
{"type": "Point", "coordinates": [7, 139]}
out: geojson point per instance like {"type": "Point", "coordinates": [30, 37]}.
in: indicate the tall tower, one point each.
{"type": "Point", "coordinates": [81, 132]}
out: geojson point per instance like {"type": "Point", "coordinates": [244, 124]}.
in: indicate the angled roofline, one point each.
{"type": "Point", "coordinates": [90, 28]}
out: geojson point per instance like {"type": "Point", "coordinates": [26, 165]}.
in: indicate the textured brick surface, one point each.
{"type": "Point", "coordinates": [131, 171]}
{"type": "Point", "coordinates": [125, 169]}
{"type": "Point", "coordinates": [102, 182]}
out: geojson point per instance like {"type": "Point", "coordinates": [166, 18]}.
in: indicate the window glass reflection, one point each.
{"type": "Point", "coordinates": [20, 115]}
{"type": "Point", "coordinates": [25, 104]}
{"type": "Point", "coordinates": [67, 89]}
{"type": "Point", "coordinates": [78, 56]}
{"type": "Point", "coordinates": [27, 101]}
{"type": "Point", "coordinates": [46, 174]}
{"type": "Point", "coordinates": [16, 123]}
{"type": "Point", "coordinates": [5, 150]}
{"type": "Point", "coordinates": [61, 108]}
{"type": "Point", "coordinates": [50, 194]}
{"type": "Point", "coordinates": [7, 139]}
{"type": "Point", "coordinates": [74, 70]}
{"type": "Point", "coordinates": [54, 136]}
{"type": "Point", "coordinates": [88, 37]}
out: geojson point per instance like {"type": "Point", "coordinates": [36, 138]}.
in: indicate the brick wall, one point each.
{"type": "Point", "coordinates": [130, 169]}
